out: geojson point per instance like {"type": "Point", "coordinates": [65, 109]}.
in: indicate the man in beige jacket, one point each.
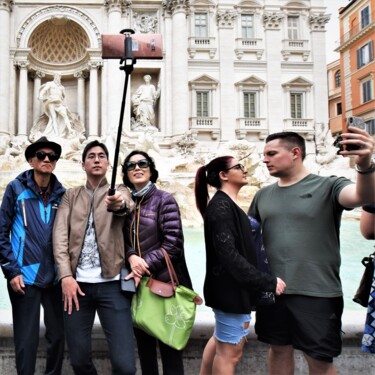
{"type": "Point", "coordinates": [89, 253]}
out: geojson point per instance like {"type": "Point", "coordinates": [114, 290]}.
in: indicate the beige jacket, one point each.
{"type": "Point", "coordinates": [70, 228]}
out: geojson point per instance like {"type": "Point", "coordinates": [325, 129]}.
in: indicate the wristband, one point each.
{"type": "Point", "coordinates": [370, 169]}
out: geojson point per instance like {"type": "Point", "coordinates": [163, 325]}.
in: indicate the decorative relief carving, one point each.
{"type": "Point", "coordinates": [226, 18]}
{"type": "Point", "coordinates": [145, 23]}
{"type": "Point", "coordinates": [318, 21]}
{"type": "Point", "coordinates": [272, 20]}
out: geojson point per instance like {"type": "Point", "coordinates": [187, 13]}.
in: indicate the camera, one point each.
{"type": "Point", "coordinates": [144, 46]}
{"type": "Point", "coordinates": [354, 122]}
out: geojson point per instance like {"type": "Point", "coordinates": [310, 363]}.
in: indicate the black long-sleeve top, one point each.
{"type": "Point", "coordinates": [232, 282]}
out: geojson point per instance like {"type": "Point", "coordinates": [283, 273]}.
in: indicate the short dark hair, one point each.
{"type": "Point", "coordinates": [154, 172]}
{"type": "Point", "coordinates": [92, 144]}
{"type": "Point", "coordinates": [290, 139]}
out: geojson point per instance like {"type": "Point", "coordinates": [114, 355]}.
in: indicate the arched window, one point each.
{"type": "Point", "coordinates": [338, 79]}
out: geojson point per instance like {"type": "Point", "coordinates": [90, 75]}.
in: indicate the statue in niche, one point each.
{"type": "Point", "coordinates": [56, 121]}
{"type": "Point", "coordinates": [143, 103]}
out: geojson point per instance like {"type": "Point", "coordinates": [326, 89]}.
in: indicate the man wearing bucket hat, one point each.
{"type": "Point", "coordinates": [27, 216]}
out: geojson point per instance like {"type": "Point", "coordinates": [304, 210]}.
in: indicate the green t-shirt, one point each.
{"type": "Point", "coordinates": [300, 227]}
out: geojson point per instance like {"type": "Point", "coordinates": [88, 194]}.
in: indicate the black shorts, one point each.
{"type": "Point", "coordinates": [310, 324]}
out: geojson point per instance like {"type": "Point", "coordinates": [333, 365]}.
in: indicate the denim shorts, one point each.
{"type": "Point", "coordinates": [230, 328]}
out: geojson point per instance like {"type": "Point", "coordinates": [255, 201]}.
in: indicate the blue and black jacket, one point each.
{"type": "Point", "coordinates": [26, 225]}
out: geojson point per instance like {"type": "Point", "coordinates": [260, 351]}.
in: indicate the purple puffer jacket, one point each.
{"type": "Point", "coordinates": [157, 224]}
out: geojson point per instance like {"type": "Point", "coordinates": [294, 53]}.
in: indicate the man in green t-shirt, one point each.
{"type": "Point", "coordinates": [300, 216]}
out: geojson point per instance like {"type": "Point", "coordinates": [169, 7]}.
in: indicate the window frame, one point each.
{"type": "Point", "coordinates": [365, 16]}
{"type": "Point", "coordinates": [199, 28]}
{"type": "Point", "coordinates": [247, 29]}
{"type": "Point", "coordinates": [338, 78]}
{"type": "Point", "coordinates": [365, 54]}
{"type": "Point", "coordinates": [253, 109]}
{"type": "Point", "coordinates": [367, 90]}
{"type": "Point", "coordinates": [294, 111]}
{"type": "Point", "coordinates": [293, 30]}
{"type": "Point", "coordinates": [200, 110]}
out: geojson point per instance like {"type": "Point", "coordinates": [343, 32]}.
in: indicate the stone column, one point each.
{"type": "Point", "coordinates": [5, 9]}
{"type": "Point", "coordinates": [167, 125]}
{"type": "Point", "coordinates": [93, 130]}
{"type": "Point", "coordinates": [226, 20]}
{"type": "Point", "coordinates": [179, 77]}
{"type": "Point", "coordinates": [81, 76]}
{"type": "Point", "coordinates": [114, 76]}
{"type": "Point", "coordinates": [272, 25]}
{"type": "Point", "coordinates": [36, 102]}
{"type": "Point", "coordinates": [22, 99]}
{"type": "Point", "coordinates": [319, 70]}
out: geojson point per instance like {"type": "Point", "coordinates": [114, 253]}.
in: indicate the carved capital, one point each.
{"type": "Point", "coordinates": [272, 20]}
{"type": "Point", "coordinates": [95, 64]}
{"type": "Point", "coordinates": [171, 6]}
{"type": "Point", "coordinates": [318, 21]}
{"type": "Point", "coordinates": [6, 5]}
{"type": "Point", "coordinates": [81, 74]}
{"type": "Point", "coordinates": [21, 64]}
{"type": "Point", "coordinates": [226, 18]}
{"type": "Point", "coordinates": [37, 74]}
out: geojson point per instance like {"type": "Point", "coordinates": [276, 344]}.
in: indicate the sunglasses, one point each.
{"type": "Point", "coordinates": [237, 166]}
{"type": "Point", "coordinates": [143, 164]}
{"type": "Point", "coordinates": [41, 155]}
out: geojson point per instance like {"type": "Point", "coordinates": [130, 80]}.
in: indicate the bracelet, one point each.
{"type": "Point", "coordinates": [370, 169]}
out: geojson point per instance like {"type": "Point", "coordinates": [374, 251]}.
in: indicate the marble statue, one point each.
{"type": "Point", "coordinates": [57, 122]}
{"type": "Point", "coordinates": [52, 95]}
{"type": "Point", "coordinates": [143, 103]}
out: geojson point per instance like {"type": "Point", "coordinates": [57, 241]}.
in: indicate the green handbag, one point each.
{"type": "Point", "coordinates": [163, 310]}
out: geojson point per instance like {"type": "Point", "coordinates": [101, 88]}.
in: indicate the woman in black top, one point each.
{"type": "Point", "coordinates": [232, 283]}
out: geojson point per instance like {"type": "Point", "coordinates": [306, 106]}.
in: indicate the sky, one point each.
{"type": "Point", "coordinates": [333, 28]}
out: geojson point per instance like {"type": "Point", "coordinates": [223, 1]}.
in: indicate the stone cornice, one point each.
{"type": "Point", "coordinates": [318, 21]}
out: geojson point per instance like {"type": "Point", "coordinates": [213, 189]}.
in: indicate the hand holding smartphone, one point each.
{"type": "Point", "coordinates": [127, 286]}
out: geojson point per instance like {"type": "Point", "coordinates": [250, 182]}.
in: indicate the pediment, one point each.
{"type": "Point", "coordinates": [204, 80]}
{"type": "Point", "coordinates": [251, 81]}
{"type": "Point", "coordinates": [249, 4]}
{"type": "Point", "coordinates": [299, 81]}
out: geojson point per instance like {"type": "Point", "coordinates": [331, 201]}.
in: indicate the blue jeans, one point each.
{"type": "Point", "coordinates": [26, 324]}
{"type": "Point", "coordinates": [113, 308]}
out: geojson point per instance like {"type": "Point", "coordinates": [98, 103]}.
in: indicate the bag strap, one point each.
{"type": "Point", "coordinates": [171, 270]}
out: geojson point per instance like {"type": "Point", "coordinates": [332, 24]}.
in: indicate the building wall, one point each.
{"type": "Point", "coordinates": [354, 38]}
{"type": "Point", "coordinates": [275, 62]}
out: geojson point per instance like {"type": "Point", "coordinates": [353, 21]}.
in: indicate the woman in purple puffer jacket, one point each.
{"type": "Point", "coordinates": [155, 224]}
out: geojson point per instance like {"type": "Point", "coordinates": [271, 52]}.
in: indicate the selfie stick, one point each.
{"type": "Point", "coordinates": [129, 62]}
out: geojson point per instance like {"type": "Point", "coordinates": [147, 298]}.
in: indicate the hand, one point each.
{"type": "Point", "coordinates": [18, 285]}
{"type": "Point", "coordinates": [138, 266]}
{"type": "Point", "coordinates": [365, 143]}
{"type": "Point", "coordinates": [115, 202]}
{"type": "Point", "coordinates": [70, 288]}
{"type": "Point", "coordinates": [137, 279]}
{"type": "Point", "coordinates": [280, 286]}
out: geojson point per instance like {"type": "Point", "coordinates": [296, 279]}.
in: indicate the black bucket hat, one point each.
{"type": "Point", "coordinates": [41, 143]}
